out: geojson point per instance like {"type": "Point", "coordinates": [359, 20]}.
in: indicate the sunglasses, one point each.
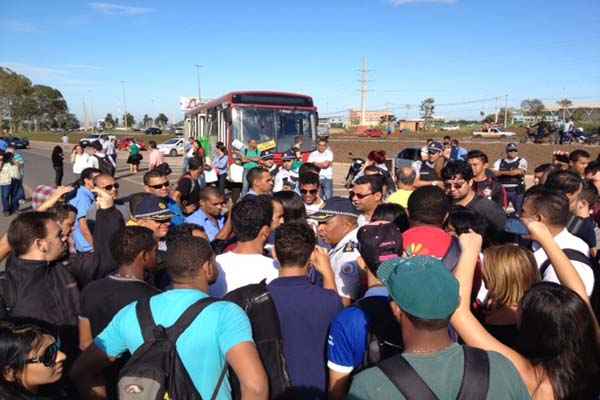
{"type": "Point", "coordinates": [161, 185]}
{"type": "Point", "coordinates": [311, 191]}
{"type": "Point", "coordinates": [455, 185]}
{"type": "Point", "coordinates": [49, 356]}
{"type": "Point", "coordinates": [359, 195]}
{"type": "Point", "coordinates": [111, 187]}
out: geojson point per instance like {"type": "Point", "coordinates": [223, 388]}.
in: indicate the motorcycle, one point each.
{"type": "Point", "coordinates": [355, 167]}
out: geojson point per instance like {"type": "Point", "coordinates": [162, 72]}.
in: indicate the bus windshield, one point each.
{"type": "Point", "coordinates": [282, 126]}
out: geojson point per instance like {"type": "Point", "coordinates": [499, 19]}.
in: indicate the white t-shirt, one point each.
{"type": "Point", "coordinates": [566, 240]}
{"type": "Point", "coordinates": [237, 270]}
{"type": "Point", "coordinates": [318, 157]}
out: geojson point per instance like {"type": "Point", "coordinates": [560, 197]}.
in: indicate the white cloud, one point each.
{"type": "Point", "coordinates": [83, 66]}
{"type": "Point", "coordinates": [18, 26]}
{"type": "Point", "coordinates": [116, 9]}
{"type": "Point", "coordinates": [398, 3]}
{"type": "Point", "coordinates": [59, 77]}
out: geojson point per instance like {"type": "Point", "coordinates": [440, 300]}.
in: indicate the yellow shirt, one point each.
{"type": "Point", "coordinates": [400, 197]}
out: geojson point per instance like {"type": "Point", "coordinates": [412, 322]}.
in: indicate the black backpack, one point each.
{"type": "Point", "coordinates": [594, 264]}
{"type": "Point", "coordinates": [384, 338]}
{"type": "Point", "coordinates": [155, 370]}
{"type": "Point", "coordinates": [105, 166]}
{"type": "Point", "coordinates": [474, 386]}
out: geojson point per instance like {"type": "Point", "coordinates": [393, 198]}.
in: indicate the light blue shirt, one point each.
{"type": "Point", "coordinates": [220, 164]}
{"type": "Point", "coordinates": [200, 218]}
{"type": "Point", "coordinates": [83, 201]}
{"type": "Point", "coordinates": [3, 145]}
{"type": "Point", "coordinates": [202, 347]}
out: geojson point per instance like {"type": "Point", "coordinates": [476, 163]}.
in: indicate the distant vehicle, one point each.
{"type": "Point", "coordinates": [451, 128]}
{"type": "Point", "coordinates": [494, 133]}
{"type": "Point", "coordinates": [123, 144]}
{"type": "Point", "coordinates": [406, 157]}
{"type": "Point", "coordinates": [372, 132]}
{"type": "Point", "coordinates": [153, 131]}
{"type": "Point", "coordinates": [172, 147]}
{"type": "Point", "coordinates": [17, 142]}
{"type": "Point", "coordinates": [86, 141]}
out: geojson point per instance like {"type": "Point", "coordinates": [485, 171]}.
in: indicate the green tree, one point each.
{"type": "Point", "coordinates": [117, 121]}
{"type": "Point", "coordinates": [564, 105]}
{"type": "Point", "coordinates": [427, 108]}
{"type": "Point", "coordinates": [146, 121]}
{"type": "Point", "coordinates": [109, 122]}
{"type": "Point", "coordinates": [533, 108]}
{"type": "Point", "coordinates": [130, 120]}
{"type": "Point", "coordinates": [161, 120]}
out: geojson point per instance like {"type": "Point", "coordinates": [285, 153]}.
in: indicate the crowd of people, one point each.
{"type": "Point", "coordinates": [248, 278]}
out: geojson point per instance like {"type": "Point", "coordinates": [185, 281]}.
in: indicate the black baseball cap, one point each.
{"type": "Point", "coordinates": [378, 242]}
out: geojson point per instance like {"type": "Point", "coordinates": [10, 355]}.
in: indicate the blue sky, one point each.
{"type": "Point", "coordinates": [453, 50]}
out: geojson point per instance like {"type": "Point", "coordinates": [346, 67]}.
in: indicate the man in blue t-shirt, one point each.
{"type": "Point", "coordinates": [220, 333]}
{"type": "Point", "coordinates": [351, 330]}
{"type": "Point", "coordinates": [84, 200]}
{"type": "Point", "coordinates": [305, 310]}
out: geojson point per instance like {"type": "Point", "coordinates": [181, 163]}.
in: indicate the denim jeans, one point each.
{"type": "Point", "coordinates": [516, 197]}
{"type": "Point", "coordinates": [326, 188]}
{"type": "Point", "coordinates": [18, 193]}
{"type": "Point", "coordinates": [6, 191]}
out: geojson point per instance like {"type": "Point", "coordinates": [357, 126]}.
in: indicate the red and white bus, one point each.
{"type": "Point", "coordinates": [273, 119]}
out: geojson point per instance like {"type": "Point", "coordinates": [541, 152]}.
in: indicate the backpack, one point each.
{"type": "Point", "coordinates": [594, 264]}
{"type": "Point", "coordinates": [155, 370]}
{"type": "Point", "coordinates": [105, 166]}
{"type": "Point", "coordinates": [384, 338]}
{"type": "Point", "coordinates": [257, 302]}
{"type": "Point", "coordinates": [474, 386]}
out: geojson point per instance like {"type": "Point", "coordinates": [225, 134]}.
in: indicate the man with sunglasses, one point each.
{"type": "Point", "coordinates": [309, 190]}
{"type": "Point", "coordinates": [366, 195]}
{"type": "Point", "coordinates": [428, 171]}
{"type": "Point", "coordinates": [511, 175]}
{"type": "Point", "coordinates": [158, 184]}
{"type": "Point", "coordinates": [108, 183]}
{"type": "Point", "coordinates": [458, 183]}
{"type": "Point", "coordinates": [211, 212]}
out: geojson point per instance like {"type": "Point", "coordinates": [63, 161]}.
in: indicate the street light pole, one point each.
{"type": "Point", "coordinates": [124, 105]}
{"type": "Point", "coordinates": [198, 66]}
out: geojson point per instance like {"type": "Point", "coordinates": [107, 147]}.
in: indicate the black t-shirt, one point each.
{"type": "Point", "coordinates": [102, 299]}
{"type": "Point", "coordinates": [188, 187]}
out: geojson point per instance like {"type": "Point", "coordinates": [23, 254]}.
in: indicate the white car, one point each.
{"type": "Point", "coordinates": [172, 147]}
{"type": "Point", "coordinates": [494, 133]}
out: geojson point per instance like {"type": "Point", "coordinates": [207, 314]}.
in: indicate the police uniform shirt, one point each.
{"type": "Point", "coordinates": [282, 176]}
{"type": "Point", "coordinates": [343, 262]}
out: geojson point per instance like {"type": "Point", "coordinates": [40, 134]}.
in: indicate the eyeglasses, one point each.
{"type": "Point", "coordinates": [359, 195]}
{"type": "Point", "coordinates": [49, 356]}
{"type": "Point", "coordinates": [311, 191]}
{"type": "Point", "coordinates": [111, 187]}
{"type": "Point", "coordinates": [161, 185]}
{"type": "Point", "coordinates": [455, 185]}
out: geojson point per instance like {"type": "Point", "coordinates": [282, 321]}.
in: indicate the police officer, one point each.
{"type": "Point", "coordinates": [511, 175]}
{"type": "Point", "coordinates": [286, 178]}
{"type": "Point", "coordinates": [338, 227]}
{"type": "Point", "coordinates": [427, 170]}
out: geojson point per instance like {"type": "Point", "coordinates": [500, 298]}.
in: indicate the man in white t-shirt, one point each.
{"type": "Point", "coordinates": [552, 209]}
{"type": "Point", "coordinates": [251, 219]}
{"type": "Point", "coordinates": [323, 158]}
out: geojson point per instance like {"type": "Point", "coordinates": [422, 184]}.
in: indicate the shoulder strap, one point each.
{"type": "Point", "coordinates": [145, 319]}
{"type": "Point", "coordinates": [406, 379]}
{"type": "Point", "coordinates": [476, 375]}
{"type": "Point", "coordinates": [573, 255]}
{"type": "Point", "coordinates": [188, 317]}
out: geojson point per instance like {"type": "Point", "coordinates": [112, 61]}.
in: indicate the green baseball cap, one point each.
{"type": "Point", "coordinates": [421, 286]}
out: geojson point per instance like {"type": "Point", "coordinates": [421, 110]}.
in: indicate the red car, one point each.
{"type": "Point", "coordinates": [123, 144]}
{"type": "Point", "coordinates": [371, 132]}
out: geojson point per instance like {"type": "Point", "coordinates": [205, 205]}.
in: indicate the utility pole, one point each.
{"type": "Point", "coordinates": [364, 90]}
{"type": "Point", "coordinates": [505, 111]}
{"type": "Point", "coordinates": [92, 116]}
{"type": "Point", "coordinates": [124, 105]}
{"type": "Point", "coordinates": [198, 66]}
{"type": "Point", "coordinates": [85, 115]}
{"type": "Point", "coordinates": [497, 111]}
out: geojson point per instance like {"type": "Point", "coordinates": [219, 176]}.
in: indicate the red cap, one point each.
{"type": "Point", "coordinates": [427, 241]}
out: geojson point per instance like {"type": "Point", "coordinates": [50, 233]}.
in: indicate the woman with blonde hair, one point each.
{"type": "Point", "coordinates": [508, 271]}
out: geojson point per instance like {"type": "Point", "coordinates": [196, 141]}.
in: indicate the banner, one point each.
{"type": "Point", "coordinates": [188, 103]}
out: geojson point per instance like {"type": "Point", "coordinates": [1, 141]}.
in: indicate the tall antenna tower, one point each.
{"type": "Point", "coordinates": [364, 90]}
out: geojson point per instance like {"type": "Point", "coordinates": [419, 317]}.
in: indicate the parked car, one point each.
{"type": "Point", "coordinates": [406, 157]}
{"type": "Point", "coordinates": [372, 132]}
{"type": "Point", "coordinates": [86, 141]}
{"type": "Point", "coordinates": [123, 144]}
{"type": "Point", "coordinates": [17, 142]}
{"type": "Point", "coordinates": [493, 133]}
{"type": "Point", "coordinates": [153, 131]}
{"type": "Point", "coordinates": [172, 147]}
